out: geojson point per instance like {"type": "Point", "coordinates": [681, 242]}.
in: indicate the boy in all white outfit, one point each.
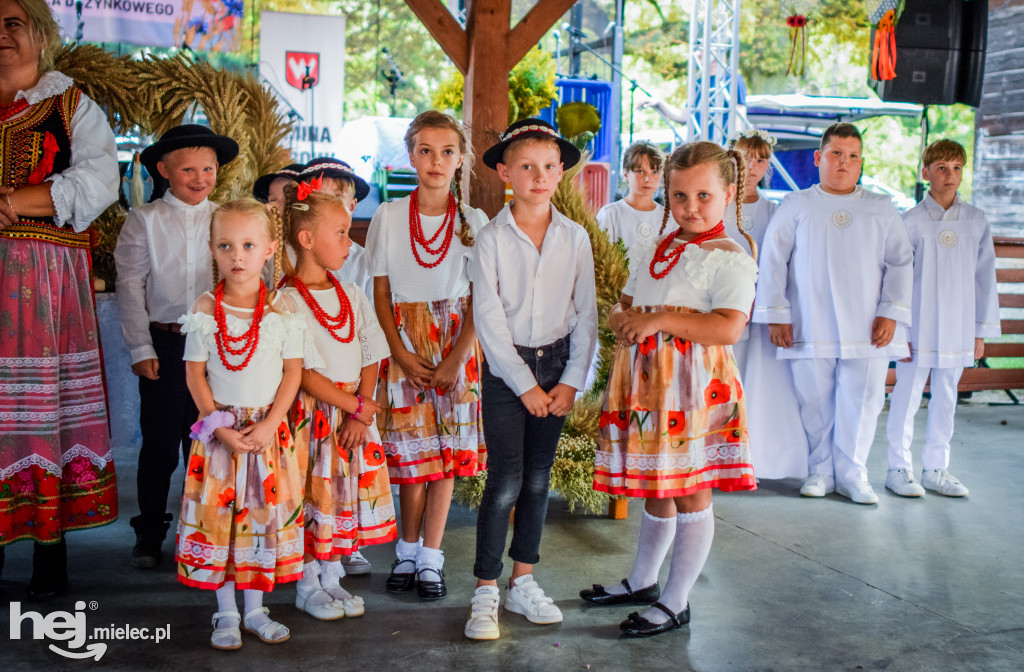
{"type": "Point", "coordinates": [836, 278]}
{"type": "Point", "coordinates": [955, 307]}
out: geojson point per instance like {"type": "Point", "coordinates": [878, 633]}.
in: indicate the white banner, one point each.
{"type": "Point", "coordinates": [213, 25]}
{"type": "Point", "coordinates": [302, 56]}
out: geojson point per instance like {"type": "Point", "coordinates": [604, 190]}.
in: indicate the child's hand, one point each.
{"type": "Point", "coordinates": [370, 409]}
{"type": "Point", "coordinates": [635, 327]}
{"type": "Point", "coordinates": [233, 440]}
{"type": "Point", "coordinates": [781, 335]}
{"type": "Point", "coordinates": [536, 401]}
{"type": "Point", "coordinates": [352, 434]}
{"type": "Point", "coordinates": [979, 348]}
{"type": "Point", "coordinates": [259, 436]}
{"type": "Point", "coordinates": [446, 373]}
{"type": "Point", "coordinates": [910, 357]}
{"type": "Point", "coordinates": [882, 330]}
{"type": "Point", "coordinates": [562, 399]}
{"type": "Point", "coordinates": [418, 371]}
{"type": "Point", "coordinates": [147, 368]}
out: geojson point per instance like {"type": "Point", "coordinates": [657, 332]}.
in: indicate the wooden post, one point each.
{"type": "Point", "coordinates": [618, 509]}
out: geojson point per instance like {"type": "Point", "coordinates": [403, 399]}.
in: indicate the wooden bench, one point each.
{"type": "Point", "coordinates": [1009, 271]}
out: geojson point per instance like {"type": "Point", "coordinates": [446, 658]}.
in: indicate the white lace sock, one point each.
{"type": "Point", "coordinates": [310, 584]}
{"type": "Point", "coordinates": [694, 533]}
{"type": "Point", "coordinates": [226, 597]}
{"type": "Point", "coordinates": [656, 535]}
{"type": "Point", "coordinates": [254, 600]}
{"type": "Point", "coordinates": [429, 559]}
{"type": "Point", "coordinates": [331, 574]}
{"type": "Point", "coordinates": [406, 550]}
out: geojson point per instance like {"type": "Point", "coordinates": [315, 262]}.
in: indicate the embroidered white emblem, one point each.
{"type": "Point", "coordinates": [947, 238]}
{"type": "Point", "coordinates": [842, 219]}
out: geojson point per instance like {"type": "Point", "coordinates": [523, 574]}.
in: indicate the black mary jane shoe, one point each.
{"type": "Point", "coordinates": [401, 582]}
{"type": "Point", "coordinates": [431, 590]}
{"type": "Point", "coordinates": [638, 626]}
{"type": "Point", "coordinates": [601, 597]}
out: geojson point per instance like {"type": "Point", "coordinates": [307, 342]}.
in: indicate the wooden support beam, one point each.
{"type": "Point", "coordinates": [532, 27]}
{"type": "Point", "coordinates": [444, 29]}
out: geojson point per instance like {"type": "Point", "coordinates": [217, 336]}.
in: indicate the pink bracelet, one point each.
{"type": "Point", "coordinates": [355, 416]}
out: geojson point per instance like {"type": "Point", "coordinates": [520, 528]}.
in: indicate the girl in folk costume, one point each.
{"type": "Point", "coordinates": [241, 513]}
{"type": "Point", "coordinates": [673, 423]}
{"type": "Point", "coordinates": [58, 172]}
{"type": "Point", "coordinates": [779, 448]}
{"type": "Point", "coordinates": [348, 500]}
{"type": "Point", "coordinates": [420, 248]}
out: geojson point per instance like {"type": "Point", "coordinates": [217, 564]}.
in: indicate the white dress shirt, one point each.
{"type": "Point", "coordinates": [83, 191]}
{"type": "Point", "coordinates": [356, 269]}
{"type": "Point", "coordinates": [163, 265]}
{"type": "Point", "coordinates": [389, 249]}
{"type": "Point", "coordinates": [756, 216]}
{"type": "Point", "coordinates": [528, 298]}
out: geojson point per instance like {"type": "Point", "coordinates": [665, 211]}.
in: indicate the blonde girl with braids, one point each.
{"type": "Point", "coordinates": [241, 512]}
{"type": "Point", "coordinates": [420, 248]}
{"type": "Point", "coordinates": [348, 501]}
{"type": "Point", "coordinates": [673, 422]}
{"type": "Point", "coordinates": [778, 448]}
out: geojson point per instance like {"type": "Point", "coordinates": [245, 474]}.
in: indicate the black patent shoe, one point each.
{"type": "Point", "coordinates": [146, 553]}
{"type": "Point", "coordinates": [638, 626]}
{"type": "Point", "coordinates": [49, 572]}
{"type": "Point", "coordinates": [601, 597]}
{"type": "Point", "coordinates": [431, 590]}
{"type": "Point", "coordinates": [401, 582]}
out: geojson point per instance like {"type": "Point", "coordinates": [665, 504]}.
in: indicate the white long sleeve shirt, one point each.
{"type": "Point", "coordinates": [522, 297]}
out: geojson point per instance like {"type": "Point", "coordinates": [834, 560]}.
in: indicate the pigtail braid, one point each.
{"type": "Point", "coordinates": [465, 233]}
{"type": "Point", "coordinates": [285, 220]}
{"type": "Point", "coordinates": [664, 216]}
{"type": "Point", "coordinates": [275, 218]}
{"type": "Point", "coordinates": [213, 262]}
{"type": "Point", "coordinates": [741, 180]}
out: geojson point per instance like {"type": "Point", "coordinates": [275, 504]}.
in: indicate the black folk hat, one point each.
{"type": "Point", "coordinates": [261, 188]}
{"type": "Point", "coordinates": [188, 135]}
{"type": "Point", "coordinates": [531, 128]}
{"type": "Point", "coordinates": [330, 167]}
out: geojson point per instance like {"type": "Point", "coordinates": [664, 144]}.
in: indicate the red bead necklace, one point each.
{"type": "Point", "coordinates": [418, 238]}
{"type": "Point", "coordinates": [10, 109]}
{"type": "Point", "coordinates": [333, 325]}
{"type": "Point", "coordinates": [662, 255]}
{"type": "Point", "coordinates": [250, 340]}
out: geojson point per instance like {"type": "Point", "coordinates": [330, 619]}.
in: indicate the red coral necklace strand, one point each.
{"type": "Point", "coordinates": [250, 340]}
{"type": "Point", "coordinates": [418, 239]}
{"type": "Point", "coordinates": [10, 109]}
{"type": "Point", "coordinates": [335, 324]}
{"type": "Point", "coordinates": [662, 255]}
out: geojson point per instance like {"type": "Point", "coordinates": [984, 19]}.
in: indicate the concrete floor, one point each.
{"type": "Point", "coordinates": [791, 584]}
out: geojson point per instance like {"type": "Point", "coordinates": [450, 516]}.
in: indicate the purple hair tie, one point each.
{"type": "Point", "coordinates": [203, 429]}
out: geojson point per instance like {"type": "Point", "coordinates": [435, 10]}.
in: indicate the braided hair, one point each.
{"type": "Point", "coordinates": [435, 119]}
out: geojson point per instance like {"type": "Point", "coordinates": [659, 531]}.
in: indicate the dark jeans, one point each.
{"type": "Point", "coordinates": [520, 452]}
{"type": "Point", "coordinates": [166, 415]}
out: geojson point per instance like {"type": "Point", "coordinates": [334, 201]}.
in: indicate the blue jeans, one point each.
{"type": "Point", "coordinates": [520, 452]}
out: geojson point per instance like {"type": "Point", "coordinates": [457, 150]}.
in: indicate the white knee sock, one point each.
{"type": "Point", "coordinates": [254, 600]}
{"type": "Point", "coordinates": [694, 533]}
{"type": "Point", "coordinates": [331, 574]}
{"type": "Point", "coordinates": [405, 550]}
{"type": "Point", "coordinates": [656, 535]}
{"type": "Point", "coordinates": [226, 597]}
{"type": "Point", "coordinates": [309, 584]}
{"type": "Point", "coordinates": [431, 559]}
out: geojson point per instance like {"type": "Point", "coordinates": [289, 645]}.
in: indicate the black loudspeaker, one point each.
{"type": "Point", "coordinates": [940, 53]}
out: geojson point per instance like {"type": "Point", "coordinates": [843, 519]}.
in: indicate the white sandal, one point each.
{"type": "Point", "coordinates": [271, 632]}
{"type": "Point", "coordinates": [353, 605]}
{"type": "Point", "coordinates": [329, 610]}
{"type": "Point", "coordinates": [226, 638]}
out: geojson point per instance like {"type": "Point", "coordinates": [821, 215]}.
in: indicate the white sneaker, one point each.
{"type": "Point", "coordinates": [527, 598]}
{"type": "Point", "coordinates": [818, 485]}
{"type": "Point", "coordinates": [356, 564]}
{"type": "Point", "coordinates": [483, 615]}
{"type": "Point", "coordinates": [903, 483]}
{"type": "Point", "coordinates": [943, 482]}
{"type": "Point", "coordinates": [858, 491]}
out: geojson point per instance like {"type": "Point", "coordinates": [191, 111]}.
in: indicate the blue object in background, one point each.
{"type": "Point", "coordinates": [799, 163]}
{"type": "Point", "coordinates": [596, 92]}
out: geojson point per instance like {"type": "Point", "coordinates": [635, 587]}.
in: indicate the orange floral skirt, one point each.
{"type": "Point", "coordinates": [431, 434]}
{"type": "Point", "coordinates": [348, 500]}
{"type": "Point", "coordinates": [674, 420]}
{"type": "Point", "coordinates": [241, 514]}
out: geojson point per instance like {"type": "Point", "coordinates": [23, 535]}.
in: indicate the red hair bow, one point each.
{"type": "Point", "coordinates": [305, 189]}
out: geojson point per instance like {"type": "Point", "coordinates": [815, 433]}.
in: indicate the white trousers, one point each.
{"type": "Point", "coordinates": [840, 400]}
{"type": "Point", "coordinates": [903, 406]}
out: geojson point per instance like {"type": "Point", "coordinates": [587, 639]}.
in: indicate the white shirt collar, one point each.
{"type": "Point", "coordinates": [936, 210]}
{"type": "Point", "coordinates": [176, 202]}
{"type": "Point", "coordinates": [52, 83]}
{"type": "Point", "coordinates": [857, 192]}
{"type": "Point", "coordinates": [505, 217]}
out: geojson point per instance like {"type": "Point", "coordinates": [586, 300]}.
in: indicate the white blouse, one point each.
{"type": "Point", "coordinates": [756, 216]}
{"type": "Point", "coordinates": [637, 229]}
{"type": "Point", "coordinates": [714, 275]}
{"type": "Point", "coordinates": [390, 254]}
{"type": "Point", "coordinates": [83, 191]}
{"type": "Point", "coordinates": [340, 362]}
{"type": "Point", "coordinates": [281, 337]}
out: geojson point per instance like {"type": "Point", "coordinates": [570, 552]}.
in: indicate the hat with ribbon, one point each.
{"type": "Point", "coordinates": [531, 128]}
{"type": "Point", "coordinates": [188, 135]}
{"type": "Point", "coordinates": [261, 187]}
{"type": "Point", "coordinates": [330, 167]}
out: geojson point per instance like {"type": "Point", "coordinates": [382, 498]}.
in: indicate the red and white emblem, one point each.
{"type": "Point", "coordinates": [302, 69]}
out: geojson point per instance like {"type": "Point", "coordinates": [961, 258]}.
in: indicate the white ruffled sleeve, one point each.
{"type": "Point", "coordinates": [377, 243]}
{"type": "Point", "coordinates": [199, 328]}
{"type": "Point", "coordinates": [372, 342]}
{"type": "Point", "coordinates": [477, 219]}
{"type": "Point", "coordinates": [733, 278]}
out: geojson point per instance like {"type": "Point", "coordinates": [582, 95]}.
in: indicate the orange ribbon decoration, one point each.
{"type": "Point", "coordinates": [883, 54]}
{"type": "Point", "coordinates": [305, 189]}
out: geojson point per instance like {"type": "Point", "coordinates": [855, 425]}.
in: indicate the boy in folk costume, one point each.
{"type": "Point", "coordinates": [836, 278]}
{"type": "Point", "coordinates": [956, 306]}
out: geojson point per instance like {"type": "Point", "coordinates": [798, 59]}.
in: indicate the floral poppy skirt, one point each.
{"type": "Point", "coordinates": [433, 433]}
{"type": "Point", "coordinates": [673, 420]}
{"type": "Point", "coordinates": [56, 466]}
{"type": "Point", "coordinates": [241, 514]}
{"type": "Point", "coordinates": [348, 500]}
